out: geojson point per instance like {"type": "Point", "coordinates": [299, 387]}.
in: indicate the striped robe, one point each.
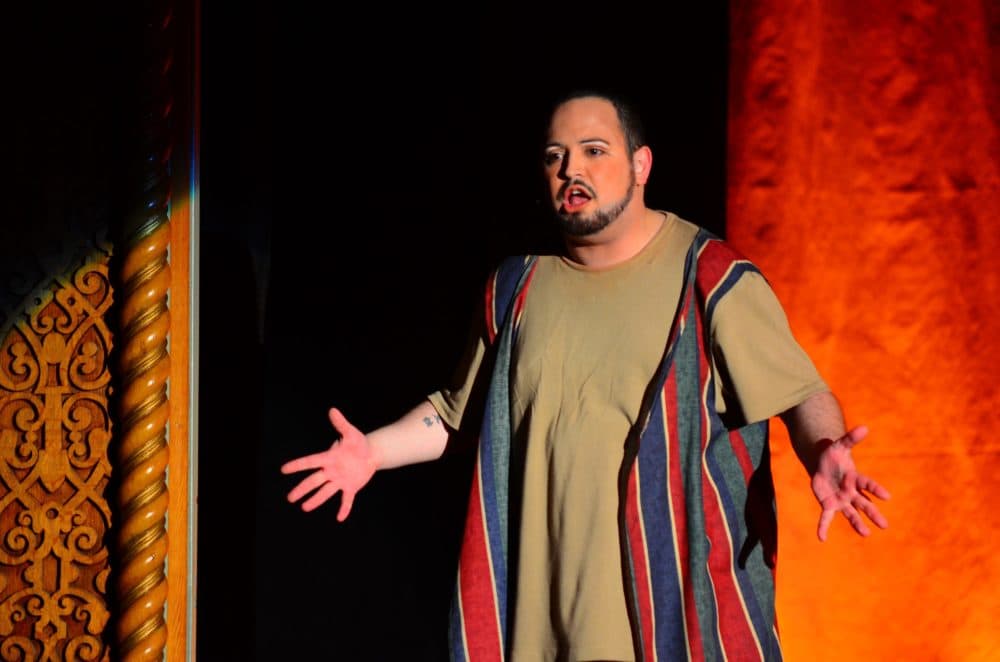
{"type": "Point", "coordinates": [696, 511]}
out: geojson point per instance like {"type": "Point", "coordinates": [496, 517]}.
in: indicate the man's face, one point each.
{"type": "Point", "coordinates": [587, 165]}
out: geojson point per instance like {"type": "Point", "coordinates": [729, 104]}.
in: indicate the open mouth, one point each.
{"type": "Point", "coordinates": [575, 198]}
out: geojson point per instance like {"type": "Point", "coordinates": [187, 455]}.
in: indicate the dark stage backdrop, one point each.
{"type": "Point", "coordinates": [362, 173]}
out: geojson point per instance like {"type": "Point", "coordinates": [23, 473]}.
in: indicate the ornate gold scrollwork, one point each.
{"type": "Point", "coordinates": [54, 467]}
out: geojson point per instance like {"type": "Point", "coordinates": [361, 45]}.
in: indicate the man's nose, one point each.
{"type": "Point", "coordinates": [572, 165]}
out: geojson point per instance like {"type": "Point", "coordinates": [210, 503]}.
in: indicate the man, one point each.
{"type": "Point", "coordinates": [622, 505]}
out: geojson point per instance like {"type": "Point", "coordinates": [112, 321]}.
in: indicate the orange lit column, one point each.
{"type": "Point", "coordinates": [863, 179]}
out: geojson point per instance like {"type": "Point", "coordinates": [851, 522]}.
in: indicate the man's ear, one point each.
{"type": "Point", "coordinates": [642, 163]}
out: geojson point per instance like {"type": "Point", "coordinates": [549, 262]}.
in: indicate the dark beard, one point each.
{"type": "Point", "coordinates": [576, 224]}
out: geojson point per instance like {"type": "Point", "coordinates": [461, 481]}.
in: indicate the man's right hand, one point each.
{"type": "Point", "coordinates": [346, 466]}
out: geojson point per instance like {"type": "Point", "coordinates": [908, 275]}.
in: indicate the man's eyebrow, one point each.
{"type": "Point", "coordinates": [585, 141]}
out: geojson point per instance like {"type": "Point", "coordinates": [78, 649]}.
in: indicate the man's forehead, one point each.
{"type": "Point", "coordinates": [585, 118]}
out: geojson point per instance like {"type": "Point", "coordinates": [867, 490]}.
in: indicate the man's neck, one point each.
{"type": "Point", "coordinates": [622, 239]}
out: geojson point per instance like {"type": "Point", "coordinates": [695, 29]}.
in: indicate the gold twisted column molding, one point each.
{"type": "Point", "coordinates": [143, 456]}
{"type": "Point", "coordinates": [155, 294]}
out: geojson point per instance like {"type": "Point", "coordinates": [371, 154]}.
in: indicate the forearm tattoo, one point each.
{"type": "Point", "coordinates": [430, 421]}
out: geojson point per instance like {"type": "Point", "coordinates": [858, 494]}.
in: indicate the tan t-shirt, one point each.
{"type": "Point", "coordinates": [588, 345]}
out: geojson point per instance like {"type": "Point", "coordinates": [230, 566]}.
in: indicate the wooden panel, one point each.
{"type": "Point", "coordinates": [179, 509]}
{"type": "Point", "coordinates": [57, 333]}
{"type": "Point", "coordinates": [54, 467]}
{"type": "Point", "coordinates": [185, 155]}
{"type": "Point", "coordinates": [83, 433]}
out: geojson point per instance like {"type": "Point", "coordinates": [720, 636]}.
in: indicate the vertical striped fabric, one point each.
{"type": "Point", "coordinates": [697, 519]}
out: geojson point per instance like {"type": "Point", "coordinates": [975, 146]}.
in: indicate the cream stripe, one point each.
{"type": "Point", "coordinates": [673, 523]}
{"type": "Point", "coordinates": [718, 631]}
{"type": "Point", "coordinates": [729, 539]}
{"type": "Point", "coordinates": [489, 557]}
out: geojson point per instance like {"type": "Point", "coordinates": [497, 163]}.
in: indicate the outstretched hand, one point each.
{"type": "Point", "coordinates": [840, 488]}
{"type": "Point", "coordinates": [346, 466]}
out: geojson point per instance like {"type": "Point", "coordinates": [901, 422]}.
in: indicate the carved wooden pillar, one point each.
{"type": "Point", "coordinates": [154, 354]}
{"type": "Point", "coordinates": [143, 457]}
{"type": "Point", "coordinates": [145, 367]}
{"type": "Point", "coordinates": [90, 397]}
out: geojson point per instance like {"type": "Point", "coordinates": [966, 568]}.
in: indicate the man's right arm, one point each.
{"type": "Point", "coordinates": [350, 462]}
{"type": "Point", "coordinates": [419, 436]}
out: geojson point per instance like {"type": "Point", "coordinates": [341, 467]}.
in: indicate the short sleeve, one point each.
{"type": "Point", "coordinates": [760, 369]}
{"type": "Point", "coordinates": [451, 402]}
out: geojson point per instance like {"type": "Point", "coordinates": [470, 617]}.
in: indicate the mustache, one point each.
{"type": "Point", "coordinates": [576, 182]}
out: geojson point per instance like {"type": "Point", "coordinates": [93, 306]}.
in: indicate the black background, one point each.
{"type": "Point", "coordinates": [362, 172]}
{"type": "Point", "coordinates": [384, 162]}
{"type": "Point", "coordinates": [363, 169]}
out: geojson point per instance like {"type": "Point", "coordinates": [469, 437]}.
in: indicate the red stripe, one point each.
{"type": "Point", "coordinates": [737, 636]}
{"type": "Point", "coordinates": [638, 548]}
{"type": "Point", "coordinates": [490, 303]}
{"type": "Point", "coordinates": [741, 453]}
{"type": "Point", "coordinates": [679, 502]}
{"type": "Point", "coordinates": [713, 264]}
{"type": "Point", "coordinates": [519, 304]}
{"type": "Point", "coordinates": [479, 612]}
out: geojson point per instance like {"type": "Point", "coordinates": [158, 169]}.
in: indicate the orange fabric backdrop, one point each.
{"type": "Point", "coordinates": [863, 179]}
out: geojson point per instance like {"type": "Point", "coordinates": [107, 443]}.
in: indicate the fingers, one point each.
{"type": "Point", "coordinates": [314, 461]}
{"type": "Point", "coordinates": [307, 485]}
{"type": "Point", "coordinates": [327, 490]}
{"type": "Point", "coordinates": [318, 499]}
{"type": "Point", "coordinates": [856, 520]}
{"type": "Point", "coordinates": [825, 518]}
{"type": "Point", "coordinates": [868, 485]}
{"type": "Point", "coordinates": [871, 512]}
{"type": "Point", "coordinates": [346, 501]}
{"type": "Point", "coordinates": [341, 424]}
{"type": "Point", "coordinates": [855, 435]}
{"type": "Point", "coordinates": [852, 513]}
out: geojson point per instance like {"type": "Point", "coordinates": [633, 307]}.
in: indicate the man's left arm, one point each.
{"type": "Point", "coordinates": [823, 445]}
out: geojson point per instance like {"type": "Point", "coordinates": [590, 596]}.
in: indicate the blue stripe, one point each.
{"type": "Point", "coordinates": [654, 485]}
{"type": "Point", "coordinates": [508, 277]}
{"type": "Point", "coordinates": [720, 291]}
{"type": "Point", "coordinates": [496, 520]}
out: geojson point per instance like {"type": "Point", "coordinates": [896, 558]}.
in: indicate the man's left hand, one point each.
{"type": "Point", "coordinates": [840, 488]}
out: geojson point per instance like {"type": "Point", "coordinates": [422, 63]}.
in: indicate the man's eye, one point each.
{"type": "Point", "coordinates": [552, 157]}
{"type": "Point", "coordinates": [595, 151]}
